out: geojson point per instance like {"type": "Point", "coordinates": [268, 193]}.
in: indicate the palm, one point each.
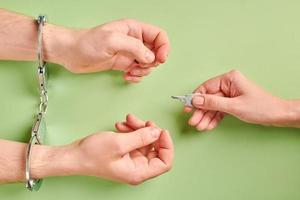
{"type": "Point", "coordinates": [140, 166]}
{"type": "Point", "coordinates": [135, 161]}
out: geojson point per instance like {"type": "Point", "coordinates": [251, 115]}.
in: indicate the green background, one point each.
{"type": "Point", "coordinates": [235, 161]}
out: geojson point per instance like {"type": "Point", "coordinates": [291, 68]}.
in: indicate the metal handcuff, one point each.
{"type": "Point", "coordinates": [39, 126]}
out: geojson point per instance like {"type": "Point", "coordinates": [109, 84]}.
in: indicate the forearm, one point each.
{"type": "Point", "coordinates": [18, 39]}
{"type": "Point", "coordinates": [46, 161]}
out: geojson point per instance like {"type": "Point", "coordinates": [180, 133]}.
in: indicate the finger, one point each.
{"type": "Point", "coordinates": [196, 117]}
{"type": "Point", "coordinates": [132, 79]}
{"type": "Point", "coordinates": [149, 46]}
{"type": "Point", "coordinates": [203, 124]}
{"type": "Point", "coordinates": [123, 128]}
{"type": "Point", "coordinates": [137, 139]}
{"type": "Point", "coordinates": [165, 151]}
{"type": "Point", "coordinates": [136, 153]}
{"type": "Point", "coordinates": [138, 157]}
{"type": "Point", "coordinates": [162, 53]}
{"type": "Point", "coordinates": [150, 123]}
{"type": "Point", "coordinates": [133, 65]}
{"type": "Point", "coordinates": [152, 146]}
{"type": "Point", "coordinates": [134, 123]}
{"type": "Point", "coordinates": [221, 83]}
{"type": "Point", "coordinates": [138, 71]}
{"type": "Point", "coordinates": [164, 159]}
{"type": "Point", "coordinates": [215, 121]}
{"type": "Point", "coordinates": [145, 150]}
{"type": "Point", "coordinates": [200, 90]}
{"type": "Point", "coordinates": [158, 38]}
{"type": "Point", "coordinates": [151, 65]}
{"type": "Point", "coordinates": [151, 155]}
{"type": "Point", "coordinates": [142, 65]}
{"type": "Point", "coordinates": [123, 43]}
{"type": "Point", "coordinates": [215, 102]}
{"type": "Point", "coordinates": [210, 86]}
{"type": "Point", "coordinates": [187, 109]}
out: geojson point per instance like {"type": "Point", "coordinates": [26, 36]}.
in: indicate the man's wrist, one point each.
{"type": "Point", "coordinates": [289, 114]}
{"type": "Point", "coordinates": [58, 43]}
{"type": "Point", "coordinates": [293, 113]}
{"type": "Point", "coordinates": [49, 161]}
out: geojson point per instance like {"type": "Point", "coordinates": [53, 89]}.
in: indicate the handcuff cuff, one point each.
{"type": "Point", "coordinates": [39, 127]}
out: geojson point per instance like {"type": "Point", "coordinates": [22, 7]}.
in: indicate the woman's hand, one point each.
{"type": "Point", "coordinates": [126, 157]}
{"type": "Point", "coordinates": [126, 45]}
{"type": "Point", "coordinates": [234, 94]}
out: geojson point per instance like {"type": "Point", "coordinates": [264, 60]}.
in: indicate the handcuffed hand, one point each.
{"type": "Point", "coordinates": [139, 151]}
{"type": "Point", "coordinates": [126, 45]}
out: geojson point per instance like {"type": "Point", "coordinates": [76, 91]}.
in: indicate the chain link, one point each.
{"type": "Point", "coordinates": [42, 66]}
{"type": "Point", "coordinates": [38, 129]}
{"type": "Point", "coordinates": [42, 75]}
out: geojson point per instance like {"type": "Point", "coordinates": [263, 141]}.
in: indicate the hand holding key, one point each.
{"type": "Point", "coordinates": [232, 93]}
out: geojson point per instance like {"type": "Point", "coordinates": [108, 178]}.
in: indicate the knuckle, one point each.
{"type": "Point", "coordinates": [109, 37]}
{"type": "Point", "coordinates": [109, 135]}
{"type": "Point", "coordinates": [210, 102]}
{"type": "Point", "coordinates": [138, 43]}
{"type": "Point", "coordinates": [169, 167]}
{"type": "Point", "coordinates": [235, 73]}
{"type": "Point", "coordinates": [129, 21]}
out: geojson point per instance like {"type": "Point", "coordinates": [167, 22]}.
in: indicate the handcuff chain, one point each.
{"type": "Point", "coordinates": [36, 137]}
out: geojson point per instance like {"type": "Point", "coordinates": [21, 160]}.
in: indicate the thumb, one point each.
{"type": "Point", "coordinates": [139, 138]}
{"type": "Point", "coordinates": [213, 102]}
{"type": "Point", "coordinates": [133, 46]}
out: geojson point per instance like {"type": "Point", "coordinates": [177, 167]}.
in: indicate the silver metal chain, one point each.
{"type": "Point", "coordinates": [39, 127]}
{"type": "Point", "coordinates": [42, 66]}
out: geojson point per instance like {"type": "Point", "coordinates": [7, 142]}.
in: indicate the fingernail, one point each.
{"type": "Point", "coordinates": [198, 101]}
{"type": "Point", "coordinates": [155, 132]}
{"type": "Point", "coordinates": [149, 57]}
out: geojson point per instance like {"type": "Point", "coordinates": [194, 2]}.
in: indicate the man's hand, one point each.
{"type": "Point", "coordinates": [126, 45]}
{"type": "Point", "coordinates": [234, 94]}
{"type": "Point", "coordinates": [139, 153]}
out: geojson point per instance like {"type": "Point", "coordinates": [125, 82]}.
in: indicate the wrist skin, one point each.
{"type": "Point", "coordinates": [55, 161]}
{"type": "Point", "coordinates": [60, 43]}
{"type": "Point", "coordinates": [293, 110]}
{"type": "Point", "coordinates": [288, 114]}
{"type": "Point", "coordinates": [45, 161]}
{"type": "Point", "coordinates": [18, 39]}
